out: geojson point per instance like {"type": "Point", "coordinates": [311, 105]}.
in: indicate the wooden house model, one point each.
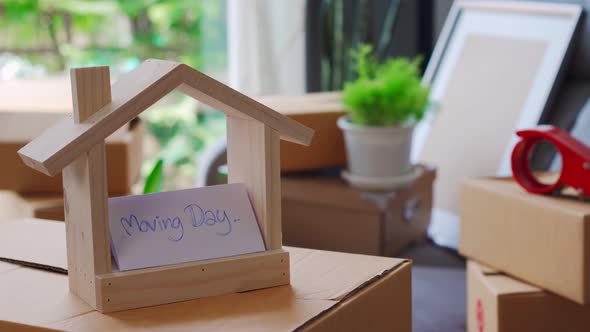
{"type": "Point", "coordinates": [75, 146]}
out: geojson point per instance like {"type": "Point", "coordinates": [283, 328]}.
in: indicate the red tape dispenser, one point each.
{"type": "Point", "coordinates": [575, 157]}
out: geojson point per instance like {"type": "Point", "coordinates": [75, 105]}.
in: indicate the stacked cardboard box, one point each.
{"type": "Point", "coordinates": [497, 302]}
{"type": "Point", "coordinates": [25, 192]}
{"type": "Point", "coordinates": [323, 212]}
{"type": "Point", "coordinates": [328, 292]}
{"type": "Point", "coordinates": [541, 240]}
{"type": "Point", "coordinates": [123, 149]}
{"type": "Point", "coordinates": [318, 111]}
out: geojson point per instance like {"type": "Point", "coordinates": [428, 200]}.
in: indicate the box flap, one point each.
{"type": "Point", "coordinates": [36, 297]}
{"type": "Point", "coordinates": [7, 267]}
{"type": "Point", "coordinates": [486, 270]}
{"type": "Point", "coordinates": [499, 283]}
{"type": "Point", "coordinates": [332, 283]}
{"type": "Point", "coordinates": [326, 283]}
{"type": "Point", "coordinates": [274, 309]}
{"type": "Point", "coordinates": [503, 285]}
{"type": "Point", "coordinates": [384, 305]}
{"type": "Point", "coordinates": [34, 242]}
{"type": "Point", "coordinates": [510, 188]}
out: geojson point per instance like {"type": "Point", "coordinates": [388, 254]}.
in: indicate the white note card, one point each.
{"type": "Point", "coordinates": [182, 226]}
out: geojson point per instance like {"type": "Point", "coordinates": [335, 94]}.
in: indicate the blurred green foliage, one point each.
{"type": "Point", "coordinates": [347, 25]}
{"type": "Point", "coordinates": [154, 180]}
{"type": "Point", "coordinates": [59, 33]}
{"type": "Point", "coordinates": [181, 133]}
{"type": "Point", "coordinates": [385, 94]}
{"type": "Point", "coordinates": [180, 130]}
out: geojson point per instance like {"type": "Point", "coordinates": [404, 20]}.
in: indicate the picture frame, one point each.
{"type": "Point", "coordinates": [438, 70]}
{"type": "Point", "coordinates": [495, 69]}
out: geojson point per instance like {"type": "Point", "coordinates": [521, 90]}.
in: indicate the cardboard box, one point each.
{"type": "Point", "coordinates": [328, 292]}
{"type": "Point", "coordinates": [318, 111]}
{"type": "Point", "coordinates": [498, 303]}
{"type": "Point", "coordinates": [40, 95]}
{"type": "Point", "coordinates": [323, 212]}
{"type": "Point", "coordinates": [24, 118]}
{"type": "Point", "coordinates": [124, 154]}
{"type": "Point", "coordinates": [44, 206]}
{"type": "Point", "coordinates": [541, 239]}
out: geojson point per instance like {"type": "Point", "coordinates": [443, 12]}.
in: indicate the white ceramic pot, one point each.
{"type": "Point", "coordinates": [377, 152]}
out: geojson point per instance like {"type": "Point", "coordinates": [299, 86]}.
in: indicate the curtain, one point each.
{"type": "Point", "coordinates": [266, 46]}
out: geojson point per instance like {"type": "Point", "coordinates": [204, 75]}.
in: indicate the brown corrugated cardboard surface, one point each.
{"type": "Point", "coordinates": [124, 155]}
{"type": "Point", "coordinates": [7, 267]}
{"type": "Point", "coordinates": [323, 212]}
{"type": "Point", "coordinates": [318, 111]}
{"type": "Point", "coordinates": [543, 240]}
{"type": "Point", "coordinates": [34, 241]}
{"type": "Point", "coordinates": [51, 95]}
{"type": "Point", "coordinates": [329, 292]}
{"type": "Point", "coordinates": [365, 309]}
{"type": "Point", "coordinates": [43, 206]}
{"type": "Point", "coordinates": [508, 304]}
{"type": "Point", "coordinates": [55, 212]}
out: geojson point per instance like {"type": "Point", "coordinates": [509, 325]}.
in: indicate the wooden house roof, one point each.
{"type": "Point", "coordinates": [133, 93]}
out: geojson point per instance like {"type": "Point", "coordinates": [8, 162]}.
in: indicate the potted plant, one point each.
{"type": "Point", "coordinates": [384, 103]}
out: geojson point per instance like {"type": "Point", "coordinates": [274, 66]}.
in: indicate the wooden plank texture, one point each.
{"type": "Point", "coordinates": [86, 214]}
{"type": "Point", "coordinates": [174, 283]}
{"type": "Point", "coordinates": [274, 200]}
{"type": "Point", "coordinates": [85, 191]}
{"type": "Point", "coordinates": [131, 94]}
{"type": "Point", "coordinates": [91, 88]}
{"type": "Point", "coordinates": [253, 159]}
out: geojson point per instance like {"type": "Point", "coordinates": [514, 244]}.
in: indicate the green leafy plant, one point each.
{"type": "Point", "coordinates": [154, 180]}
{"type": "Point", "coordinates": [386, 94]}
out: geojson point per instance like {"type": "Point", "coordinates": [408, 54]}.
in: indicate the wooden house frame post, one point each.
{"type": "Point", "coordinates": [85, 192]}
{"type": "Point", "coordinates": [253, 159]}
